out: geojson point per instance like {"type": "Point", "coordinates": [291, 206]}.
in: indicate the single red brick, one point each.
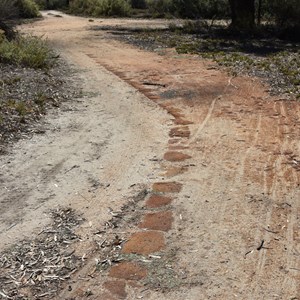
{"type": "Point", "coordinates": [173, 171]}
{"type": "Point", "coordinates": [158, 221]}
{"type": "Point", "coordinates": [177, 147]}
{"type": "Point", "coordinates": [117, 288]}
{"type": "Point", "coordinates": [158, 201]}
{"type": "Point", "coordinates": [167, 187]}
{"type": "Point", "coordinates": [180, 132]}
{"type": "Point", "coordinates": [145, 242]}
{"type": "Point", "coordinates": [176, 156]}
{"type": "Point", "coordinates": [128, 271]}
{"type": "Point", "coordinates": [179, 121]}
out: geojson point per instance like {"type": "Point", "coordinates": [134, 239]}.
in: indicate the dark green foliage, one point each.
{"type": "Point", "coordinates": [286, 12]}
{"type": "Point", "coordinates": [218, 9]}
{"type": "Point", "coordinates": [52, 4]}
{"type": "Point", "coordinates": [141, 4]}
{"type": "Point", "coordinates": [190, 9]}
{"type": "Point", "coordinates": [10, 9]}
{"type": "Point", "coordinates": [187, 8]}
{"type": "Point", "coordinates": [28, 9]}
{"type": "Point", "coordinates": [242, 14]}
{"type": "Point", "coordinates": [160, 8]}
{"type": "Point", "coordinates": [286, 15]}
{"type": "Point", "coordinates": [99, 8]}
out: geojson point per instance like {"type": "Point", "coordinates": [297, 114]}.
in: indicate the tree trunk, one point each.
{"type": "Point", "coordinates": [242, 14]}
{"type": "Point", "coordinates": [259, 12]}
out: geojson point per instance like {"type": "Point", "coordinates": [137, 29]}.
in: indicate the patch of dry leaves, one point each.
{"type": "Point", "coordinates": [37, 268]}
{"type": "Point", "coordinates": [25, 96]}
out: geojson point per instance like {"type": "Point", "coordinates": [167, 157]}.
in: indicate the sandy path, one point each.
{"type": "Point", "coordinates": [91, 141]}
{"type": "Point", "coordinates": [234, 149]}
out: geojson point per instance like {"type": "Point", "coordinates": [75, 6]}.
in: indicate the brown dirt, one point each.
{"type": "Point", "coordinates": [174, 141]}
{"type": "Point", "coordinates": [173, 171]}
{"type": "Point", "coordinates": [241, 186]}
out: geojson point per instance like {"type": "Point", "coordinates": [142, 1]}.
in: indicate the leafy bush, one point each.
{"type": "Point", "coordinates": [51, 4]}
{"type": "Point", "coordinates": [189, 8]}
{"type": "Point", "coordinates": [141, 4]}
{"type": "Point", "coordinates": [160, 8]}
{"type": "Point", "coordinates": [28, 9]}
{"type": "Point", "coordinates": [8, 9]}
{"type": "Point", "coordinates": [286, 12]}
{"type": "Point", "coordinates": [214, 9]}
{"type": "Point", "coordinates": [99, 8]}
{"type": "Point", "coordinates": [26, 51]}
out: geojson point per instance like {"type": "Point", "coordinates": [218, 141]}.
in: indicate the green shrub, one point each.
{"type": "Point", "coordinates": [286, 12]}
{"type": "Point", "coordinates": [99, 8]}
{"type": "Point", "coordinates": [141, 4]}
{"type": "Point", "coordinates": [217, 9]}
{"type": "Point", "coordinates": [160, 8]}
{"type": "Point", "coordinates": [112, 8]}
{"type": "Point", "coordinates": [51, 4]}
{"type": "Point", "coordinates": [189, 8]}
{"type": "Point", "coordinates": [26, 51]}
{"type": "Point", "coordinates": [8, 9]}
{"type": "Point", "coordinates": [28, 9]}
{"type": "Point", "coordinates": [41, 4]}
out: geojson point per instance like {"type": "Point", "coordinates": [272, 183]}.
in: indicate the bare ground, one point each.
{"type": "Point", "coordinates": [226, 223]}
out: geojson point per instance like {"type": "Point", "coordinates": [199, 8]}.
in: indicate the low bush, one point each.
{"type": "Point", "coordinates": [99, 8]}
{"type": "Point", "coordinates": [140, 4]}
{"type": "Point", "coordinates": [187, 9]}
{"type": "Point", "coordinates": [8, 9]}
{"type": "Point", "coordinates": [286, 12]}
{"type": "Point", "coordinates": [287, 17]}
{"type": "Point", "coordinates": [214, 9]}
{"type": "Point", "coordinates": [26, 51]}
{"type": "Point", "coordinates": [28, 9]}
{"type": "Point", "coordinates": [51, 4]}
{"type": "Point", "coordinates": [161, 8]}
{"type": "Point", "coordinates": [190, 8]}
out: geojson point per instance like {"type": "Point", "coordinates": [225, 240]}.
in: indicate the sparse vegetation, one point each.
{"type": "Point", "coordinates": [275, 61]}
{"type": "Point", "coordinates": [25, 96]}
{"type": "Point", "coordinates": [26, 51]}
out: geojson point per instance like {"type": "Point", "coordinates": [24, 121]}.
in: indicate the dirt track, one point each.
{"type": "Point", "coordinates": [231, 150]}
